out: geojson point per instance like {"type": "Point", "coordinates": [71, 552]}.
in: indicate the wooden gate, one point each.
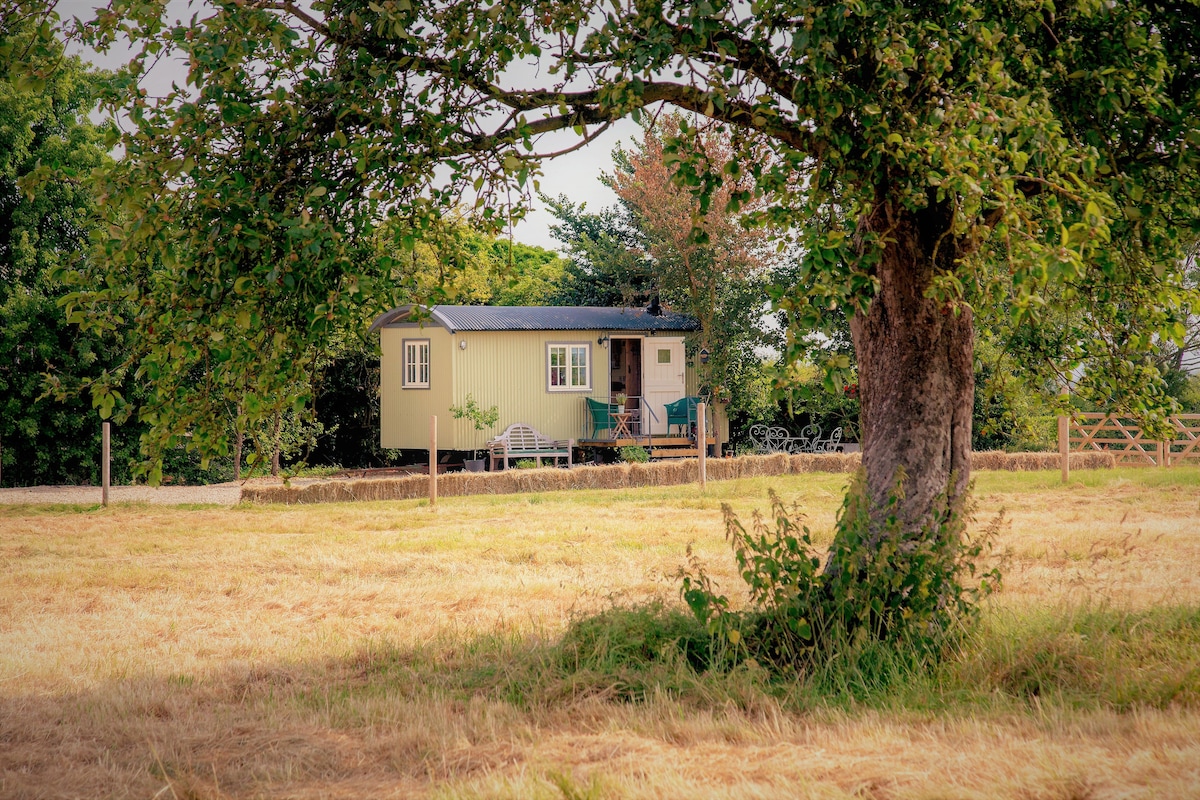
{"type": "Point", "coordinates": [1124, 439]}
{"type": "Point", "coordinates": [1185, 447]}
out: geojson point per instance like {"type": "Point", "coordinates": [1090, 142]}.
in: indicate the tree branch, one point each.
{"type": "Point", "coordinates": [286, 6]}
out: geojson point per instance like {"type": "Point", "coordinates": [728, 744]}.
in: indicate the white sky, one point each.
{"type": "Point", "coordinates": [577, 175]}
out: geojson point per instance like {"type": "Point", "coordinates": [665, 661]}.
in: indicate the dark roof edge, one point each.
{"type": "Point", "coordinates": [399, 313]}
{"type": "Point", "coordinates": [388, 317]}
{"type": "Point", "coordinates": [451, 318]}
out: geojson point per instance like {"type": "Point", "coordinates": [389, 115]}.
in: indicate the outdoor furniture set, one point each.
{"type": "Point", "coordinates": [769, 439]}
{"type": "Point", "coordinates": [520, 441]}
{"type": "Point", "coordinates": [621, 422]}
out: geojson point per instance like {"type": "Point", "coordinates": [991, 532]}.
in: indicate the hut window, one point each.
{"type": "Point", "coordinates": [568, 368]}
{"type": "Point", "coordinates": [416, 363]}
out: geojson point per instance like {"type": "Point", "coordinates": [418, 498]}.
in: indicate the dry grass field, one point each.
{"type": "Point", "coordinates": [391, 650]}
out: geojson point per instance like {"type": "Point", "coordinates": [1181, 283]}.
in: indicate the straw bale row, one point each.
{"type": "Point", "coordinates": [621, 476]}
{"type": "Point", "coordinates": [1028, 462]}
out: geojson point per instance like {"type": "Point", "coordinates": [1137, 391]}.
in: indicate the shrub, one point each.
{"type": "Point", "coordinates": [634, 454]}
{"type": "Point", "coordinates": [878, 587]}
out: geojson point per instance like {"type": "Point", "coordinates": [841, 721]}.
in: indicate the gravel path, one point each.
{"type": "Point", "coordinates": [224, 494]}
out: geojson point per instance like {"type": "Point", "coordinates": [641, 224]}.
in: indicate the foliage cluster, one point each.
{"type": "Point", "coordinates": [481, 418]}
{"type": "Point", "coordinates": [634, 454]}
{"type": "Point", "coordinates": [453, 261]}
{"type": "Point", "coordinates": [1092, 656]}
{"type": "Point", "coordinates": [1010, 412]}
{"type": "Point", "coordinates": [877, 587]}
{"type": "Point", "coordinates": [658, 243]}
{"type": "Point", "coordinates": [49, 150]}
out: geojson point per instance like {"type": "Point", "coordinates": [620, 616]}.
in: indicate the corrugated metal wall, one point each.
{"type": "Point", "coordinates": [404, 413]}
{"type": "Point", "coordinates": [506, 369]}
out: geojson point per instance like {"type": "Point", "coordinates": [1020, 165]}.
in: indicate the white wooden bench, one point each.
{"type": "Point", "coordinates": [523, 441]}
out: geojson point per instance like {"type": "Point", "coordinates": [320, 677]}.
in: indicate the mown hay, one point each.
{"type": "Point", "coordinates": [674, 472]}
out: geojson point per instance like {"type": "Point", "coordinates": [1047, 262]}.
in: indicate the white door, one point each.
{"type": "Point", "coordinates": [662, 378]}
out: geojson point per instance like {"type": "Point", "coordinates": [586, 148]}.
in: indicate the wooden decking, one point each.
{"type": "Point", "coordinates": [658, 446]}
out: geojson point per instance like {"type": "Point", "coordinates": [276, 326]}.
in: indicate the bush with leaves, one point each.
{"type": "Point", "coordinates": [481, 418]}
{"type": "Point", "coordinates": [888, 586]}
{"type": "Point", "coordinates": [634, 454]}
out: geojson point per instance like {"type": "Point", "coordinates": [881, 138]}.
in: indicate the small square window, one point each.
{"type": "Point", "coordinates": [568, 367]}
{"type": "Point", "coordinates": [664, 355]}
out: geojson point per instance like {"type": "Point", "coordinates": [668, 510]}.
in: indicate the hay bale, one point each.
{"type": "Point", "coordinates": [607, 476]}
{"type": "Point", "coordinates": [675, 472]}
{"type": "Point", "coordinates": [1093, 460]}
{"type": "Point", "coordinates": [756, 466]}
{"type": "Point", "coordinates": [1029, 462]}
{"type": "Point", "coordinates": [719, 469]}
{"type": "Point", "coordinates": [405, 488]}
{"type": "Point", "coordinates": [802, 463]}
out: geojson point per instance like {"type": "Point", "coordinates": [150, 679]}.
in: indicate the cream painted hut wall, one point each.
{"type": "Point", "coordinates": [404, 412]}
{"type": "Point", "coordinates": [506, 369]}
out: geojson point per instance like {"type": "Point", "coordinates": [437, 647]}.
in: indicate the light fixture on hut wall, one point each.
{"type": "Point", "coordinates": [462, 344]}
{"type": "Point", "coordinates": [603, 341]}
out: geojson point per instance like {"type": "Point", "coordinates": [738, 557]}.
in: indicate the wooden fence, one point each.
{"type": "Point", "coordinates": [1125, 440]}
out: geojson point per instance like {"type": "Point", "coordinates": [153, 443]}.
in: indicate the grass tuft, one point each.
{"type": "Point", "coordinates": [1083, 657]}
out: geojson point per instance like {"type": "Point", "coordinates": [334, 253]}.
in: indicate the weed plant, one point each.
{"type": "Point", "coordinates": [886, 602]}
{"type": "Point", "coordinates": [634, 454]}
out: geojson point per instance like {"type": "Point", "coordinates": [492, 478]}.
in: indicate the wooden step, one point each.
{"type": "Point", "coordinates": [644, 441]}
{"type": "Point", "coordinates": [673, 452]}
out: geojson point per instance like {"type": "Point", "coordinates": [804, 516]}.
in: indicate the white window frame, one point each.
{"type": "Point", "coordinates": [569, 367]}
{"type": "Point", "coordinates": [413, 370]}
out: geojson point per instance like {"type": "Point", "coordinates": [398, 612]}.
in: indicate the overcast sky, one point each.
{"type": "Point", "coordinates": [576, 175]}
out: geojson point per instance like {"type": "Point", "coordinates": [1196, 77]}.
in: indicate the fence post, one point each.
{"type": "Point", "coordinates": [433, 461]}
{"type": "Point", "coordinates": [1064, 446]}
{"type": "Point", "coordinates": [702, 443]}
{"type": "Point", "coordinates": [105, 446]}
{"type": "Point", "coordinates": [1163, 450]}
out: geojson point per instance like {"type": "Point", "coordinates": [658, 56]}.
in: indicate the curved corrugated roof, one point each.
{"type": "Point", "coordinates": [542, 318]}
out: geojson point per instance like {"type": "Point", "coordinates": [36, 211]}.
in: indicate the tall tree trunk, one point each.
{"type": "Point", "coordinates": [239, 441]}
{"type": "Point", "coordinates": [916, 373]}
{"type": "Point", "coordinates": [276, 444]}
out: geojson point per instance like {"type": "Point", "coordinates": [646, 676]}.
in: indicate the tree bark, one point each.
{"type": "Point", "coordinates": [239, 440]}
{"type": "Point", "coordinates": [276, 444]}
{"type": "Point", "coordinates": [916, 373]}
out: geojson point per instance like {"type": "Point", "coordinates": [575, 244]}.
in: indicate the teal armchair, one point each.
{"type": "Point", "coordinates": [683, 413]}
{"type": "Point", "coordinates": [600, 414]}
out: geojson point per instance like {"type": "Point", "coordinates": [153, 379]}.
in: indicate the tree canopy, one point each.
{"type": "Point", "coordinates": [930, 158]}
{"type": "Point", "coordinates": [48, 152]}
{"type": "Point", "coordinates": [655, 244]}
